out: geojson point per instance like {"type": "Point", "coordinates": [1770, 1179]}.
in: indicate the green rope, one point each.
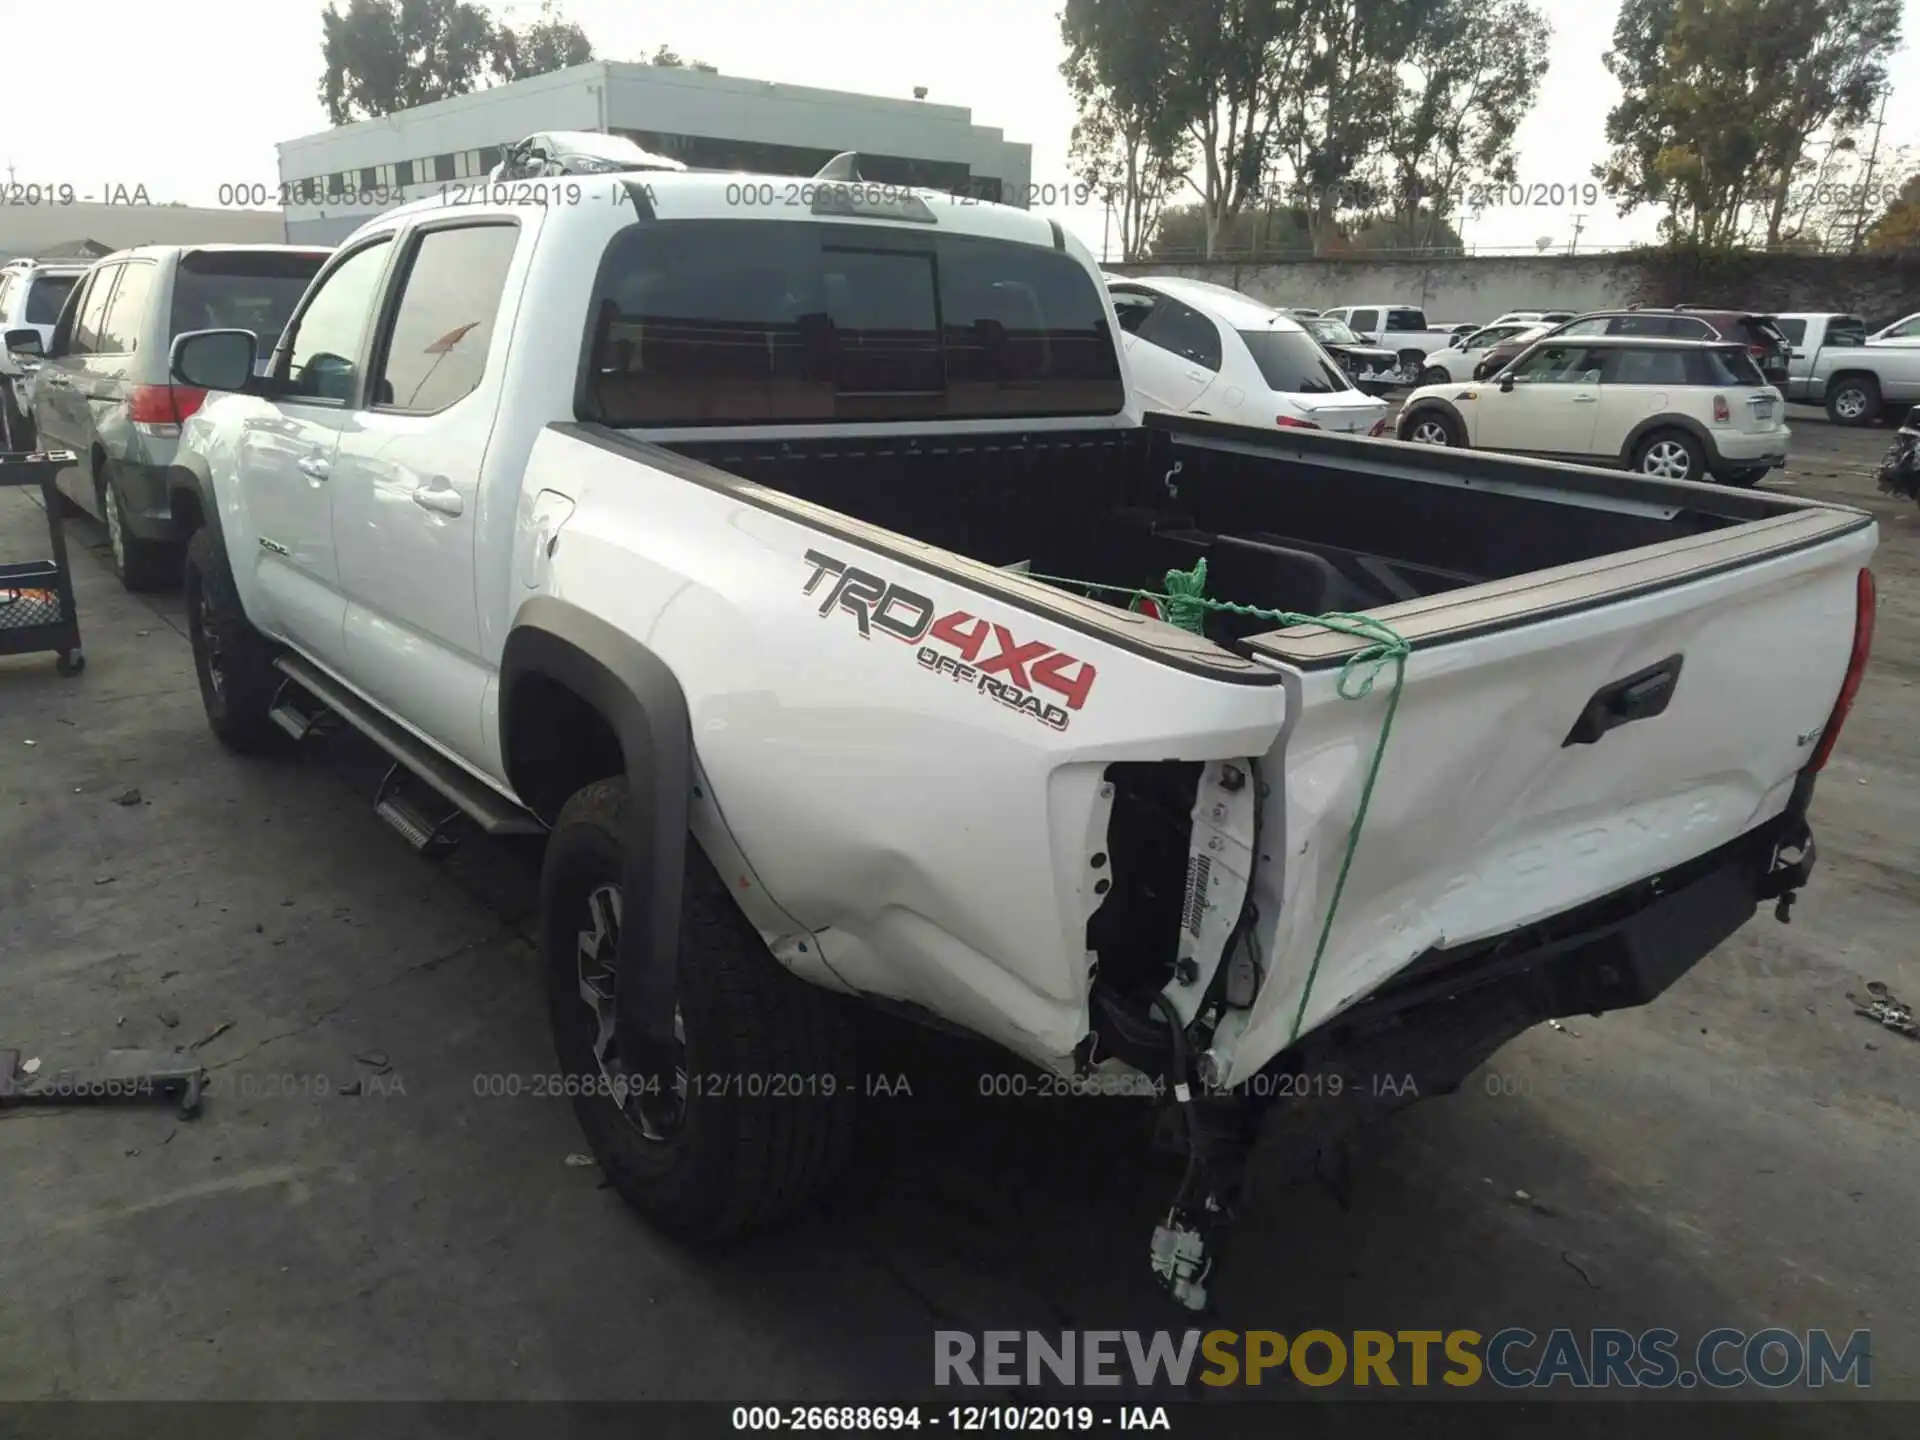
{"type": "Point", "coordinates": [1184, 603]}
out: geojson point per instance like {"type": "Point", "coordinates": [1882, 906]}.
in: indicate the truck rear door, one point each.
{"type": "Point", "coordinates": [1494, 808]}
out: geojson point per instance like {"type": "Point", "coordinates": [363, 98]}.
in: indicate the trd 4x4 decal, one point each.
{"type": "Point", "coordinates": [985, 654]}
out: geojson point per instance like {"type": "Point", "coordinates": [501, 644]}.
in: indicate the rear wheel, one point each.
{"type": "Point", "coordinates": [233, 661]}
{"type": "Point", "coordinates": [1434, 427]}
{"type": "Point", "coordinates": [1434, 375]}
{"type": "Point", "coordinates": [758, 1113]}
{"type": "Point", "coordinates": [139, 564]}
{"type": "Point", "coordinates": [1670, 455]}
{"type": "Point", "coordinates": [1854, 400]}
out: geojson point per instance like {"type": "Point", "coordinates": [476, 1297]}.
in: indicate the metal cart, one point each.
{"type": "Point", "coordinates": [36, 596]}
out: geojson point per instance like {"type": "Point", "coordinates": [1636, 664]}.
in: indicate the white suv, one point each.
{"type": "Point", "coordinates": [1678, 409]}
{"type": "Point", "coordinates": [31, 294]}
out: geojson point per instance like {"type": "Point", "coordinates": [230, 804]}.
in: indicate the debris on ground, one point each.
{"type": "Point", "coordinates": [212, 1035]}
{"type": "Point", "coordinates": [129, 797]}
{"type": "Point", "coordinates": [579, 1161]}
{"type": "Point", "coordinates": [1885, 1008]}
{"type": "Point", "coordinates": [1574, 1265]}
{"type": "Point", "coordinates": [1564, 1029]}
{"type": "Point", "coordinates": [375, 1060]}
{"type": "Point", "coordinates": [124, 1075]}
{"type": "Point", "coordinates": [169, 1018]}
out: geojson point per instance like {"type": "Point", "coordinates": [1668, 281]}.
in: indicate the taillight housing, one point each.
{"type": "Point", "coordinates": [1294, 422]}
{"type": "Point", "coordinates": [162, 409]}
{"type": "Point", "coordinates": [1722, 412]}
{"type": "Point", "coordinates": [1863, 613]}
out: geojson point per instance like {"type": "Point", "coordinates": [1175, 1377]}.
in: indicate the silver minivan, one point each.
{"type": "Point", "coordinates": [104, 392]}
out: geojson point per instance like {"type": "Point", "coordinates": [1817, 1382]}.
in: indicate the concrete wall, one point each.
{"type": "Point", "coordinates": [33, 229]}
{"type": "Point", "coordinates": [1479, 288]}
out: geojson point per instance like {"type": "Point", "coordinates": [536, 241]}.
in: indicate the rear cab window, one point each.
{"type": "Point", "coordinates": [1847, 332]}
{"type": "Point", "coordinates": [739, 322]}
{"type": "Point", "coordinates": [1363, 321]}
{"type": "Point", "coordinates": [1404, 320]}
{"type": "Point", "coordinates": [253, 290]}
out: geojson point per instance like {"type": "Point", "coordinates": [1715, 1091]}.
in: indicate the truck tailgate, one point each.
{"type": "Point", "coordinates": [1489, 812]}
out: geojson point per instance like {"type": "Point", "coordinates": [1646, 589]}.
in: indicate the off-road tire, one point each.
{"type": "Point", "coordinates": [237, 695]}
{"type": "Point", "coordinates": [1839, 400]}
{"type": "Point", "coordinates": [1670, 442]}
{"type": "Point", "coordinates": [743, 1156]}
{"type": "Point", "coordinates": [138, 564]}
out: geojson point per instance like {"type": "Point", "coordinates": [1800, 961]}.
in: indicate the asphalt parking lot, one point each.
{"type": "Point", "coordinates": [1744, 1152]}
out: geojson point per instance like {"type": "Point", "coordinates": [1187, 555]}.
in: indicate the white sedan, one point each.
{"type": "Point", "coordinates": [1458, 360]}
{"type": "Point", "coordinates": [1901, 332]}
{"type": "Point", "coordinates": [1199, 349]}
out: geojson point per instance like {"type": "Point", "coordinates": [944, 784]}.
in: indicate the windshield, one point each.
{"type": "Point", "coordinates": [1331, 332]}
{"type": "Point", "coordinates": [48, 294]}
{"type": "Point", "coordinates": [241, 290]}
{"type": "Point", "coordinates": [1292, 364]}
{"type": "Point", "coordinates": [738, 322]}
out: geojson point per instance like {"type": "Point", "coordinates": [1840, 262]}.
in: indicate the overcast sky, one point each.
{"type": "Point", "coordinates": [228, 78]}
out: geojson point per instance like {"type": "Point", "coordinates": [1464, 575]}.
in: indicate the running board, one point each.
{"type": "Point", "coordinates": [492, 812]}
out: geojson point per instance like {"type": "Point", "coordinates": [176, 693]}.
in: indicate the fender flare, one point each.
{"type": "Point", "coordinates": [1669, 422]}
{"type": "Point", "coordinates": [188, 475]}
{"type": "Point", "coordinates": [643, 702]}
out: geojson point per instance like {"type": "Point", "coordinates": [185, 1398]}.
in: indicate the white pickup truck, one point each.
{"type": "Point", "coordinates": [1833, 363]}
{"type": "Point", "coordinates": [1403, 329]}
{"type": "Point", "coordinates": [719, 540]}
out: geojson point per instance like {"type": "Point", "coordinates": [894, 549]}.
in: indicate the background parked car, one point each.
{"type": "Point", "coordinates": [1374, 368]}
{"type": "Point", "coordinates": [1900, 332]}
{"type": "Point", "coordinates": [1677, 409]}
{"type": "Point", "coordinates": [1757, 332]}
{"type": "Point", "coordinates": [31, 294]}
{"type": "Point", "coordinates": [1198, 349]}
{"type": "Point", "coordinates": [1460, 360]}
{"type": "Point", "coordinates": [1403, 329]}
{"type": "Point", "coordinates": [1535, 317]}
{"type": "Point", "coordinates": [1832, 363]}
{"type": "Point", "coordinates": [104, 390]}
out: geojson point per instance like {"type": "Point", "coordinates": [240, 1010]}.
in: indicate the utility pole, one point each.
{"type": "Point", "coordinates": [1579, 224]}
{"type": "Point", "coordinates": [1866, 182]}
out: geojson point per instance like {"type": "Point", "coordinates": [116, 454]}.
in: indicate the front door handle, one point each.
{"type": "Point", "coordinates": [314, 467]}
{"type": "Point", "coordinates": [1639, 696]}
{"type": "Point", "coordinates": [1585, 399]}
{"type": "Point", "coordinates": [1196, 375]}
{"type": "Point", "coordinates": [441, 499]}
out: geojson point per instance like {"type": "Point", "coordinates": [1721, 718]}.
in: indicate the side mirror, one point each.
{"type": "Point", "coordinates": [26, 343]}
{"type": "Point", "coordinates": [214, 359]}
{"type": "Point", "coordinates": [1506, 384]}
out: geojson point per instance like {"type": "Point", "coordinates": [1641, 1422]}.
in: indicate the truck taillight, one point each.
{"type": "Point", "coordinates": [1292, 422]}
{"type": "Point", "coordinates": [1382, 426]}
{"type": "Point", "coordinates": [1722, 412]}
{"type": "Point", "coordinates": [1856, 668]}
{"type": "Point", "coordinates": [160, 409]}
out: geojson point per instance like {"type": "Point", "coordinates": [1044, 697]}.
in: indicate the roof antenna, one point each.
{"type": "Point", "coordinates": [844, 166]}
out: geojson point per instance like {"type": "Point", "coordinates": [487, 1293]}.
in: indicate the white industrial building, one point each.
{"type": "Point", "coordinates": [708, 121]}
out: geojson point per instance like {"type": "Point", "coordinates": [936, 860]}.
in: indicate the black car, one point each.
{"type": "Point", "coordinates": [1899, 473]}
{"type": "Point", "coordinates": [1372, 368]}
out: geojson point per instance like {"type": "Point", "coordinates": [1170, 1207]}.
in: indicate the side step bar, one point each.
{"type": "Point", "coordinates": [492, 812]}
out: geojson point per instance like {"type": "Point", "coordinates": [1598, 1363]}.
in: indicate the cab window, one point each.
{"type": "Point", "coordinates": [329, 337]}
